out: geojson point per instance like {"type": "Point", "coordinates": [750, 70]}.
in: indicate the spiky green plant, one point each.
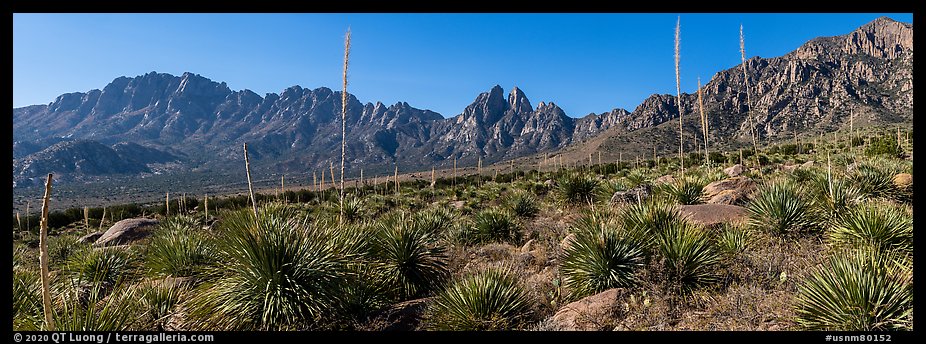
{"type": "Point", "coordinates": [780, 207]}
{"type": "Point", "coordinates": [685, 190]}
{"type": "Point", "coordinates": [523, 205]}
{"type": "Point", "coordinates": [860, 290]}
{"type": "Point", "coordinates": [102, 269]}
{"type": "Point", "coordinates": [62, 247]}
{"type": "Point", "coordinates": [353, 209]}
{"type": "Point", "coordinates": [602, 256]}
{"type": "Point", "coordinates": [436, 220]}
{"type": "Point", "coordinates": [495, 225]}
{"type": "Point", "coordinates": [689, 258]}
{"type": "Point", "coordinates": [158, 300]}
{"type": "Point", "coordinates": [178, 252]}
{"type": "Point", "coordinates": [832, 197]}
{"type": "Point", "coordinates": [279, 271]}
{"type": "Point", "coordinates": [118, 311]}
{"type": "Point", "coordinates": [874, 180]}
{"type": "Point", "coordinates": [409, 257]}
{"type": "Point", "coordinates": [650, 218]}
{"type": "Point", "coordinates": [576, 189]}
{"type": "Point", "coordinates": [635, 178]}
{"type": "Point", "coordinates": [880, 226]}
{"type": "Point", "coordinates": [733, 240]}
{"type": "Point", "coordinates": [488, 300]}
{"type": "Point", "coordinates": [27, 301]}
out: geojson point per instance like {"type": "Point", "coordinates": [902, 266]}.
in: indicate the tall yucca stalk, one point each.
{"type": "Point", "coordinates": [344, 124]}
{"type": "Point", "coordinates": [752, 127]}
{"type": "Point", "coordinates": [678, 92]}
{"type": "Point", "coordinates": [43, 258]}
{"type": "Point", "coordinates": [703, 119]}
{"type": "Point", "coordinates": [247, 169]}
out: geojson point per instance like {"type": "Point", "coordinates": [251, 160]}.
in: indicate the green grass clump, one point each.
{"type": "Point", "coordinates": [27, 301]}
{"type": "Point", "coordinates": [857, 291]}
{"type": "Point", "coordinates": [684, 191]}
{"type": "Point", "coordinates": [486, 301]}
{"type": "Point", "coordinates": [733, 240]}
{"type": "Point", "coordinates": [158, 300]}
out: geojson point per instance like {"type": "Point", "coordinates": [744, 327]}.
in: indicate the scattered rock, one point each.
{"type": "Point", "coordinates": [731, 191]}
{"type": "Point", "coordinates": [525, 259]}
{"type": "Point", "coordinates": [789, 168]}
{"type": "Point", "coordinates": [903, 180]}
{"type": "Point", "coordinates": [637, 194]}
{"type": "Point", "coordinates": [666, 179]}
{"type": "Point", "coordinates": [567, 241]}
{"type": "Point", "coordinates": [549, 183]}
{"type": "Point", "coordinates": [807, 164]}
{"type": "Point", "coordinates": [713, 214]}
{"type": "Point", "coordinates": [90, 238]}
{"type": "Point", "coordinates": [457, 205]}
{"type": "Point", "coordinates": [734, 170]}
{"type": "Point", "coordinates": [592, 313]}
{"type": "Point", "coordinates": [126, 231]}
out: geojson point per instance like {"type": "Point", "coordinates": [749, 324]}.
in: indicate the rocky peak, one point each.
{"type": "Point", "coordinates": [518, 102]}
{"type": "Point", "coordinates": [882, 38]}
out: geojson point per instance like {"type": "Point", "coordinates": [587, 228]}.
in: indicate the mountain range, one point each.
{"type": "Point", "coordinates": [160, 123]}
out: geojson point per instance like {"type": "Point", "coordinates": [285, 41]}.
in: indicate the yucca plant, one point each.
{"type": "Point", "coordinates": [100, 270]}
{"type": "Point", "coordinates": [879, 226]}
{"type": "Point", "coordinates": [576, 189]}
{"type": "Point", "coordinates": [733, 240]}
{"type": "Point", "coordinates": [353, 209]}
{"type": "Point", "coordinates": [436, 220]}
{"type": "Point", "coordinates": [780, 207]}
{"type": "Point", "coordinates": [488, 300]}
{"type": "Point", "coordinates": [523, 205]}
{"type": "Point", "coordinates": [874, 181]}
{"type": "Point", "coordinates": [120, 310]}
{"type": "Point", "coordinates": [833, 197]}
{"type": "Point", "coordinates": [689, 258]}
{"type": "Point", "coordinates": [63, 247]}
{"type": "Point", "coordinates": [158, 301]}
{"type": "Point", "coordinates": [859, 290]}
{"type": "Point", "coordinates": [279, 271]}
{"type": "Point", "coordinates": [494, 225]}
{"type": "Point", "coordinates": [650, 219]}
{"type": "Point", "coordinates": [602, 256]}
{"type": "Point", "coordinates": [408, 256]}
{"type": "Point", "coordinates": [685, 190]}
{"type": "Point", "coordinates": [178, 252]}
{"type": "Point", "coordinates": [27, 301]}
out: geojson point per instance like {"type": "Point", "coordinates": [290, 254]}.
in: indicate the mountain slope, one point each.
{"type": "Point", "coordinates": [815, 88]}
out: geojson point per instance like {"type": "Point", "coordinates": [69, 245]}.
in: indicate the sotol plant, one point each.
{"type": "Point", "coordinates": [780, 207]}
{"type": "Point", "coordinates": [576, 188]}
{"type": "Point", "coordinates": [602, 256]}
{"type": "Point", "coordinates": [859, 290]}
{"type": "Point", "coordinates": [280, 271]}
{"type": "Point", "coordinates": [409, 257]}
{"type": "Point", "coordinates": [879, 226]}
{"type": "Point", "coordinates": [689, 257]}
{"type": "Point", "coordinates": [489, 300]}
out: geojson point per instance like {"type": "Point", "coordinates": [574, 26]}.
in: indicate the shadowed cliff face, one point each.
{"type": "Point", "coordinates": [192, 121]}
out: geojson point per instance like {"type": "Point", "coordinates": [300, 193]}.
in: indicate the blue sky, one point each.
{"type": "Point", "coordinates": [583, 62]}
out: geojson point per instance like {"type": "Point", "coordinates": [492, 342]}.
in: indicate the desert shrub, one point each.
{"type": "Point", "coordinates": [279, 271]}
{"type": "Point", "coordinates": [689, 258]}
{"type": "Point", "coordinates": [494, 225]}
